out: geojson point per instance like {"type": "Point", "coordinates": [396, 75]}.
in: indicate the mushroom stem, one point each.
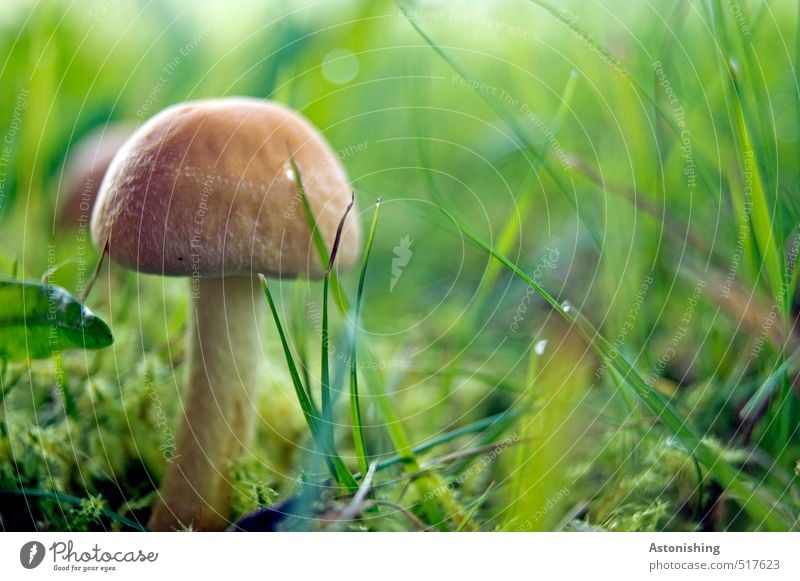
{"type": "Point", "coordinates": [219, 405]}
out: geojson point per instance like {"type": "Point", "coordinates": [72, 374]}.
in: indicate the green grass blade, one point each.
{"type": "Point", "coordinates": [797, 84]}
{"type": "Point", "coordinates": [298, 332]}
{"type": "Point", "coordinates": [704, 164]}
{"type": "Point", "coordinates": [355, 408]}
{"type": "Point", "coordinates": [768, 387]}
{"type": "Point", "coordinates": [474, 509]}
{"type": "Point", "coordinates": [496, 425]}
{"type": "Point", "coordinates": [325, 380]}
{"type": "Point", "coordinates": [309, 410]}
{"type": "Point", "coordinates": [311, 414]}
{"type": "Point", "coordinates": [316, 236]}
{"type": "Point", "coordinates": [762, 216]}
{"type": "Point", "coordinates": [426, 483]}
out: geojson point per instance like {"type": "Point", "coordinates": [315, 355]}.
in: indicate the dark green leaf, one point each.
{"type": "Point", "coordinates": [38, 320]}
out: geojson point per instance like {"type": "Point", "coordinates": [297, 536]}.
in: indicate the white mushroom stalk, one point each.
{"type": "Point", "coordinates": [225, 369]}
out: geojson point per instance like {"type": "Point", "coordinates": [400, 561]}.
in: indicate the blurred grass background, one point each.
{"type": "Point", "coordinates": [639, 161]}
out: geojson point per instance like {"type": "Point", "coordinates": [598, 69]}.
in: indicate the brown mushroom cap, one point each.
{"type": "Point", "coordinates": [206, 188]}
{"type": "Point", "coordinates": [84, 169]}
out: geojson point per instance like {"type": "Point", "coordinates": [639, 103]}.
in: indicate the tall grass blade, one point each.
{"type": "Point", "coordinates": [767, 389]}
{"type": "Point", "coordinates": [762, 215]}
{"type": "Point", "coordinates": [311, 414]}
{"type": "Point", "coordinates": [325, 380]}
{"type": "Point", "coordinates": [509, 234]}
{"type": "Point", "coordinates": [427, 483]}
{"type": "Point", "coordinates": [316, 235]}
{"type": "Point", "coordinates": [355, 408]}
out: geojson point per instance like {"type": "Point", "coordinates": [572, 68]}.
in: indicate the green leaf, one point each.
{"type": "Point", "coordinates": [38, 320]}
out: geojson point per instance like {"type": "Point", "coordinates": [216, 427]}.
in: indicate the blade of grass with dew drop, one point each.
{"type": "Point", "coordinates": [509, 233]}
{"type": "Point", "coordinates": [754, 500]}
{"type": "Point", "coordinates": [355, 407]}
{"type": "Point", "coordinates": [765, 220]}
{"type": "Point", "coordinates": [311, 414]}
{"type": "Point", "coordinates": [737, 45]}
{"type": "Point", "coordinates": [735, 481]}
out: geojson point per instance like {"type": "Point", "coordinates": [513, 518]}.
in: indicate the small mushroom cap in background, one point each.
{"type": "Point", "coordinates": [83, 173]}
{"type": "Point", "coordinates": [205, 188]}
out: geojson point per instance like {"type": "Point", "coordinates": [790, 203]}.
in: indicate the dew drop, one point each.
{"type": "Point", "coordinates": [289, 172]}
{"type": "Point", "coordinates": [340, 66]}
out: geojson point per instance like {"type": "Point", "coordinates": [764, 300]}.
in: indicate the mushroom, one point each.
{"type": "Point", "coordinates": [206, 190]}
{"type": "Point", "coordinates": [83, 173]}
